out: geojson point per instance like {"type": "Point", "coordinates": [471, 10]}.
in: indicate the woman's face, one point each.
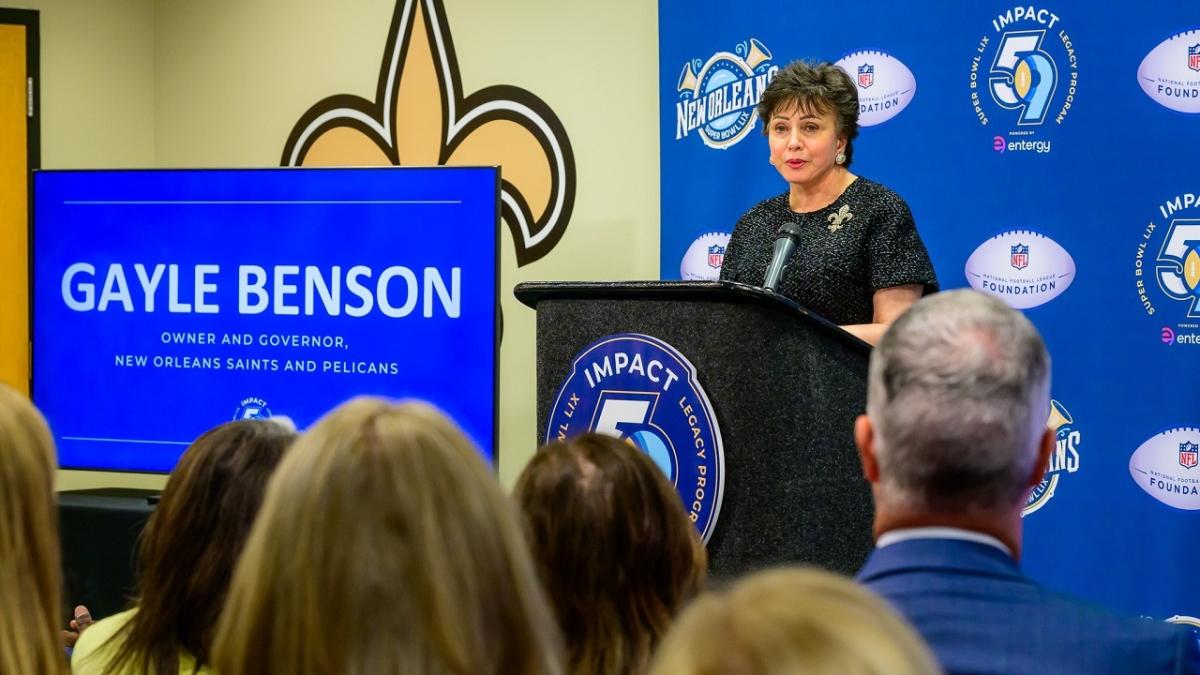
{"type": "Point", "coordinates": [803, 144]}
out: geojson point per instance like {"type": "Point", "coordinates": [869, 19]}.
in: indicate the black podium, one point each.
{"type": "Point", "coordinates": [786, 386]}
{"type": "Point", "coordinates": [99, 530]}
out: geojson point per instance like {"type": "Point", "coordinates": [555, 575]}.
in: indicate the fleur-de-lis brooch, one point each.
{"type": "Point", "coordinates": [836, 219]}
{"type": "Point", "coordinates": [420, 117]}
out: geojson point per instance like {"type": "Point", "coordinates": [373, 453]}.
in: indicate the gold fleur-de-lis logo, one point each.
{"type": "Point", "coordinates": [420, 118]}
{"type": "Point", "coordinates": [836, 219]}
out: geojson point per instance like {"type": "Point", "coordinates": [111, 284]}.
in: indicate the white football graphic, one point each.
{"type": "Point", "coordinates": [1165, 466]}
{"type": "Point", "coordinates": [1170, 73]}
{"type": "Point", "coordinates": [1023, 268]}
{"type": "Point", "coordinates": [702, 261]}
{"type": "Point", "coordinates": [885, 85]}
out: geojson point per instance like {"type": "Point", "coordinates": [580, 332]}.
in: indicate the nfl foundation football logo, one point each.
{"type": "Point", "coordinates": [1170, 73]}
{"type": "Point", "coordinates": [1017, 278]}
{"type": "Point", "coordinates": [885, 85]}
{"type": "Point", "coordinates": [1162, 467]}
{"type": "Point", "coordinates": [644, 391]}
{"type": "Point", "coordinates": [704, 256]}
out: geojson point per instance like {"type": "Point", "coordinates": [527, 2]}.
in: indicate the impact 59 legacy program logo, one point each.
{"type": "Point", "coordinates": [644, 391]}
{"type": "Point", "coordinates": [1023, 79]}
{"type": "Point", "coordinates": [1166, 270]}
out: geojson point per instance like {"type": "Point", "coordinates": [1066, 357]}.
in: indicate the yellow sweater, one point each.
{"type": "Point", "coordinates": [93, 651]}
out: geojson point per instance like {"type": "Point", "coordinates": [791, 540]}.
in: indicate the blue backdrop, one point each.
{"type": "Point", "coordinates": [1070, 129]}
{"type": "Point", "coordinates": [277, 291]}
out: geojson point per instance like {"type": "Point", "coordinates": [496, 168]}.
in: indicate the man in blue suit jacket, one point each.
{"type": "Point", "coordinates": [953, 440]}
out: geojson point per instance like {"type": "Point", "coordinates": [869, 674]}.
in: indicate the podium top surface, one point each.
{"type": "Point", "coordinates": [531, 293]}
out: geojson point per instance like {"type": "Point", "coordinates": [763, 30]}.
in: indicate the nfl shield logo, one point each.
{"type": "Point", "coordinates": [1194, 57]}
{"type": "Point", "coordinates": [866, 75]}
{"type": "Point", "coordinates": [716, 256]}
{"type": "Point", "coordinates": [1189, 454]}
{"type": "Point", "coordinates": [1019, 257]}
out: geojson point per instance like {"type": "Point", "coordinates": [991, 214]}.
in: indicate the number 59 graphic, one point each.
{"type": "Point", "coordinates": [626, 415]}
{"type": "Point", "coordinates": [1179, 275]}
{"type": "Point", "coordinates": [1024, 76]}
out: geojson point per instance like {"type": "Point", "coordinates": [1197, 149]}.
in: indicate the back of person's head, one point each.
{"type": "Point", "coordinates": [30, 576]}
{"type": "Point", "coordinates": [191, 543]}
{"type": "Point", "coordinates": [615, 549]}
{"type": "Point", "coordinates": [958, 397]}
{"type": "Point", "coordinates": [788, 621]}
{"type": "Point", "coordinates": [385, 545]}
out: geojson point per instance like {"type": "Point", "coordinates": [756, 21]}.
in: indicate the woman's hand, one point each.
{"type": "Point", "coordinates": [889, 304]}
{"type": "Point", "coordinates": [83, 619]}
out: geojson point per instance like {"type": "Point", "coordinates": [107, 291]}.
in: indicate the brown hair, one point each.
{"type": "Point", "coordinates": [817, 87]}
{"type": "Point", "coordinates": [785, 621]}
{"type": "Point", "coordinates": [30, 576]}
{"type": "Point", "coordinates": [191, 543]}
{"type": "Point", "coordinates": [385, 545]}
{"type": "Point", "coordinates": [616, 551]}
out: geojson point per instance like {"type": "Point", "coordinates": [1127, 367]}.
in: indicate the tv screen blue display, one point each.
{"type": "Point", "coordinates": [166, 302]}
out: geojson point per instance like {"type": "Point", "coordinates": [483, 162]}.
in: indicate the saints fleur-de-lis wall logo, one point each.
{"type": "Point", "coordinates": [420, 118]}
{"type": "Point", "coordinates": [837, 219]}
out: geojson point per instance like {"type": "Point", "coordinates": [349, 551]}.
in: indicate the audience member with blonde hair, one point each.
{"type": "Point", "coordinates": [30, 576]}
{"type": "Point", "coordinates": [187, 553]}
{"type": "Point", "coordinates": [614, 546]}
{"type": "Point", "coordinates": [792, 620]}
{"type": "Point", "coordinates": [386, 546]}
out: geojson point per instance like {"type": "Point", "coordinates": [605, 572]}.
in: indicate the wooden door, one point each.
{"type": "Point", "coordinates": [18, 156]}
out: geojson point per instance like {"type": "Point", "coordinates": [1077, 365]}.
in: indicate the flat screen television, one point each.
{"type": "Point", "coordinates": [166, 302]}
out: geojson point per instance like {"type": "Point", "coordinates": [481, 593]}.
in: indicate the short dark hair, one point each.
{"type": "Point", "coordinates": [615, 549]}
{"type": "Point", "coordinates": [192, 542]}
{"type": "Point", "coordinates": [818, 87]}
{"type": "Point", "coordinates": [959, 392]}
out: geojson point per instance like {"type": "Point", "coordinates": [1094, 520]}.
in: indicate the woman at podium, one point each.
{"type": "Point", "coordinates": [858, 260]}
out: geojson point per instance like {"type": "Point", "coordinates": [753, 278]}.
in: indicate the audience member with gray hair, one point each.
{"type": "Point", "coordinates": [954, 439]}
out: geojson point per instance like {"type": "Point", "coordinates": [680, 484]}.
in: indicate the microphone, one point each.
{"type": "Point", "coordinates": [785, 244]}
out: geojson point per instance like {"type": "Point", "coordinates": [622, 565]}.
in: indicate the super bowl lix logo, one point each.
{"type": "Point", "coordinates": [644, 391]}
{"type": "Point", "coordinates": [1064, 459]}
{"type": "Point", "coordinates": [717, 97]}
{"type": "Point", "coordinates": [1166, 269]}
{"type": "Point", "coordinates": [1022, 75]}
